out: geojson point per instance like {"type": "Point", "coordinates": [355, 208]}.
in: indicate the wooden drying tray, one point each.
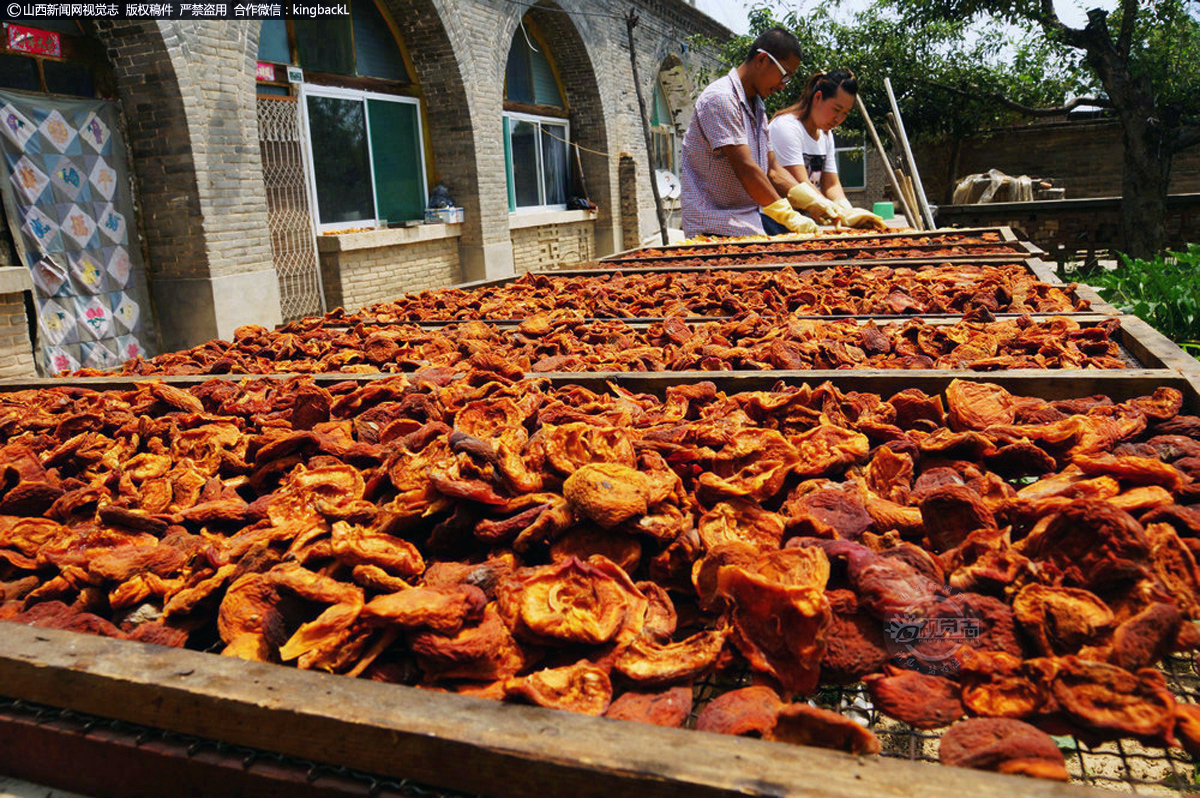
{"type": "Point", "coordinates": [1015, 249]}
{"type": "Point", "coordinates": [501, 750]}
{"type": "Point", "coordinates": [1034, 265]}
{"type": "Point", "coordinates": [449, 741]}
{"type": "Point", "coordinates": [651, 265]}
{"type": "Point", "coordinates": [1007, 235]}
{"type": "Point", "coordinates": [1155, 356]}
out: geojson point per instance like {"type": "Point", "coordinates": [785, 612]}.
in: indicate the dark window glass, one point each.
{"type": "Point", "coordinates": [524, 162]}
{"type": "Point", "coordinates": [518, 79]}
{"type": "Point", "coordinates": [273, 42]}
{"type": "Point", "coordinates": [554, 163]}
{"type": "Point", "coordinates": [375, 49]}
{"type": "Point", "coordinates": [63, 77]}
{"type": "Point", "coordinates": [396, 152]}
{"type": "Point", "coordinates": [68, 26]}
{"type": "Point", "coordinates": [325, 45]}
{"type": "Point", "coordinates": [545, 87]}
{"type": "Point", "coordinates": [18, 72]}
{"type": "Point", "coordinates": [341, 161]}
{"type": "Point", "coordinates": [267, 88]}
{"type": "Point", "coordinates": [852, 168]}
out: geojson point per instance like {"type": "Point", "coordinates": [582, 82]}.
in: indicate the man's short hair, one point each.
{"type": "Point", "coordinates": [779, 42]}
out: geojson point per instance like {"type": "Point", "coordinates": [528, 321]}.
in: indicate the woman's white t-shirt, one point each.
{"type": "Point", "coordinates": [793, 146]}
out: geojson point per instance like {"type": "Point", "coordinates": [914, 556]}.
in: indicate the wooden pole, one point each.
{"type": "Point", "coordinates": [631, 21]}
{"type": "Point", "coordinates": [911, 162]}
{"type": "Point", "coordinates": [912, 210]}
{"type": "Point", "coordinates": [883, 156]}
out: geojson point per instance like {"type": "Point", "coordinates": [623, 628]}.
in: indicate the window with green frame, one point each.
{"type": "Point", "coordinates": [366, 153]}
{"type": "Point", "coordinates": [852, 166]}
{"type": "Point", "coordinates": [536, 132]}
{"type": "Point", "coordinates": [535, 159]}
{"type": "Point", "coordinates": [366, 156]}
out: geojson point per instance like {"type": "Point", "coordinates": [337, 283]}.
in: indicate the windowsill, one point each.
{"type": "Point", "coordinates": [15, 279]}
{"type": "Point", "coordinates": [542, 218]}
{"type": "Point", "coordinates": [390, 237]}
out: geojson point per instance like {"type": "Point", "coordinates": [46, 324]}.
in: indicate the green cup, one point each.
{"type": "Point", "coordinates": [885, 210]}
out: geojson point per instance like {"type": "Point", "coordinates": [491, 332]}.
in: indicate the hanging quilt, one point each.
{"type": "Point", "coordinates": [64, 181]}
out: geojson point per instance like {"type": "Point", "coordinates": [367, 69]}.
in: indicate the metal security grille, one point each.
{"type": "Point", "coordinates": [289, 215]}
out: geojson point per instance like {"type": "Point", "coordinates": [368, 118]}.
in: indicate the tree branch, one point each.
{"type": "Point", "coordinates": [1047, 17]}
{"type": "Point", "coordinates": [1129, 11]}
{"type": "Point", "coordinates": [1027, 110]}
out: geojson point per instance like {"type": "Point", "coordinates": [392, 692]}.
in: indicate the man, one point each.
{"type": "Point", "coordinates": [728, 166]}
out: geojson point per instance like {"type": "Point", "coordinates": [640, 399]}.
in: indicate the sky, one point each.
{"type": "Point", "coordinates": [732, 13]}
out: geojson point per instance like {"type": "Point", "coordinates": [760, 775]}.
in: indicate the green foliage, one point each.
{"type": "Point", "coordinates": [1165, 46]}
{"type": "Point", "coordinates": [880, 42]}
{"type": "Point", "coordinates": [1163, 291]}
{"type": "Point", "coordinates": [1166, 51]}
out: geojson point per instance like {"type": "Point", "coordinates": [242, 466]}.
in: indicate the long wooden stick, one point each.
{"type": "Point", "coordinates": [631, 21]}
{"type": "Point", "coordinates": [912, 210]}
{"type": "Point", "coordinates": [883, 156]}
{"type": "Point", "coordinates": [911, 162]}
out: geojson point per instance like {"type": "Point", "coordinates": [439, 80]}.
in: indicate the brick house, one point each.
{"type": "Point", "coordinates": [243, 139]}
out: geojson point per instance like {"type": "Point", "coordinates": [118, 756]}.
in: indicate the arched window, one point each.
{"type": "Point", "coordinates": [536, 130]}
{"type": "Point", "coordinates": [366, 147]}
{"type": "Point", "coordinates": [664, 150]}
{"type": "Point", "coordinates": [54, 56]}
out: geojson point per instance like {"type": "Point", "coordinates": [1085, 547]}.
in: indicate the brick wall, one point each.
{"type": "Point", "coordinates": [878, 188]}
{"type": "Point", "coordinates": [1070, 229]}
{"type": "Point", "coordinates": [187, 89]}
{"type": "Point", "coordinates": [553, 246]}
{"type": "Point", "coordinates": [16, 350]}
{"type": "Point", "coordinates": [357, 277]}
{"type": "Point", "coordinates": [630, 228]}
{"type": "Point", "coordinates": [1083, 157]}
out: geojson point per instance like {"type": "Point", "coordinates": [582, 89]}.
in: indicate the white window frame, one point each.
{"type": "Point", "coordinates": [557, 121]}
{"type": "Point", "coordinates": [859, 148]}
{"type": "Point", "coordinates": [667, 130]}
{"type": "Point", "coordinates": [313, 90]}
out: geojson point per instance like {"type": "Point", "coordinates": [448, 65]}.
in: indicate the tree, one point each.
{"type": "Point", "coordinates": [957, 72]}
{"type": "Point", "coordinates": [919, 60]}
{"type": "Point", "coordinates": [1145, 57]}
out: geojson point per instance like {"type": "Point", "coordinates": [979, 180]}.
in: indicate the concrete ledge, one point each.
{"type": "Point", "coordinates": [516, 221]}
{"type": "Point", "coordinates": [194, 310]}
{"type": "Point", "coordinates": [15, 279]}
{"type": "Point", "coordinates": [391, 237]}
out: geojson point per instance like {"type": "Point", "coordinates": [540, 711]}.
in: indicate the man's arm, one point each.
{"type": "Point", "coordinates": [752, 178]}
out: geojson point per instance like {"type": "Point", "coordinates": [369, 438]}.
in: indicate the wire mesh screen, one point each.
{"type": "Point", "coordinates": [289, 217]}
{"type": "Point", "coordinates": [1124, 766]}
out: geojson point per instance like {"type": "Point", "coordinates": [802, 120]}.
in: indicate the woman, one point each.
{"type": "Point", "coordinates": [802, 138]}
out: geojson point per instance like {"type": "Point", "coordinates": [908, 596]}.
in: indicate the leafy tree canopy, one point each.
{"type": "Point", "coordinates": [951, 61]}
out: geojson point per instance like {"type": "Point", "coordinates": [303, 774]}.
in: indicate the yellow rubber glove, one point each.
{"type": "Point", "coordinates": [781, 211]}
{"type": "Point", "coordinates": [862, 219]}
{"type": "Point", "coordinates": [807, 198]}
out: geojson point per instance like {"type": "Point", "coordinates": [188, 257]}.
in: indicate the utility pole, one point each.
{"type": "Point", "coordinates": [631, 21]}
